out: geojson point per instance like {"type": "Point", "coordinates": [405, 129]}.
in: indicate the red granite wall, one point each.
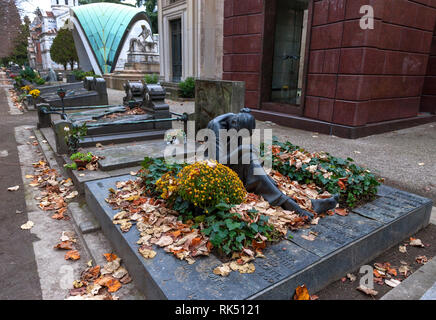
{"type": "Point", "coordinates": [243, 40]}
{"type": "Point", "coordinates": [360, 76]}
{"type": "Point", "coordinates": [355, 77]}
{"type": "Point", "coordinates": [428, 99]}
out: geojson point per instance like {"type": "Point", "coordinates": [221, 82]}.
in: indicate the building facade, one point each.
{"type": "Point", "coordinates": [191, 39]}
{"type": "Point", "coordinates": [43, 30]}
{"type": "Point", "coordinates": [310, 64]}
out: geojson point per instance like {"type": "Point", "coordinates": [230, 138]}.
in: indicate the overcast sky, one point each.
{"type": "Point", "coordinates": [29, 6]}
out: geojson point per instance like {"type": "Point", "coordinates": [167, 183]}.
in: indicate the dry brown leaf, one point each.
{"type": "Point", "coordinates": [147, 253]}
{"type": "Point", "coordinates": [403, 270]}
{"type": "Point", "coordinates": [421, 259]}
{"type": "Point", "coordinates": [110, 256]}
{"type": "Point", "coordinates": [402, 249]}
{"type": "Point", "coordinates": [28, 225]}
{"type": "Point", "coordinates": [72, 255]}
{"type": "Point", "coordinates": [301, 293]}
{"type": "Point", "coordinates": [368, 291]}
{"type": "Point", "coordinates": [126, 279]}
{"type": "Point", "coordinates": [341, 212]}
{"type": "Point", "coordinates": [64, 245]}
{"type": "Point", "coordinates": [222, 270]}
{"type": "Point", "coordinates": [109, 282]}
{"type": "Point", "coordinates": [351, 277]}
{"type": "Point", "coordinates": [416, 243]}
{"type": "Point", "coordinates": [91, 273]}
{"type": "Point", "coordinates": [15, 188]}
{"type": "Point", "coordinates": [164, 241]}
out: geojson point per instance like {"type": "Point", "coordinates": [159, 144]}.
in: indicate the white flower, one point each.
{"type": "Point", "coordinates": [66, 129]}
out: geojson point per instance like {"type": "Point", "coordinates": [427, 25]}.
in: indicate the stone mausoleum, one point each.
{"type": "Point", "coordinates": [113, 38]}
{"type": "Point", "coordinates": [308, 63]}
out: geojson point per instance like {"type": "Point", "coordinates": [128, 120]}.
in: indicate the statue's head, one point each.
{"type": "Point", "coordinates": [243, 120]}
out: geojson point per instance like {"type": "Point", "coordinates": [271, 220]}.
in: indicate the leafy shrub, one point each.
{"type": "Point", "coordinates": [73, 136]}
{"type": "Point", "coordinates": [153, 169]}
{"type": "Point", "coordinates": [229, 233]}
{"type": "Point", "coordinates": [39, 81]}
{"type": "Point", "coordinates": [18, 81]}
{"type": "Point", "coordinates": [80, 74]}
{"type": "Point", "coordinates": [72, 166]}
{"type": "Point", "coordinates": [82, 156]}
{"type": "Point", "coordinates": [187, 88]}
{"type": "Point", "coordinates": [28, 74]}
{"type": "Point", "coordinates": [151, 78]}
{"type": "Point", "coordinates": [354, 184]}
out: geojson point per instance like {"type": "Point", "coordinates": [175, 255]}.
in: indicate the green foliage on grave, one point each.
{"type": "Point", "coordinates": [87, 157]}
{"type": "Point", "coordinates": [226, 230]}
{"type": "Point", "coordinates": [80, 74]}
{"type": "Point", "coordinates": [153, 169]}
{"type": "Point", "coordinates": [29, 74]}
{"type": "Point", "coordinates": [353, 183]}
{"type": "Point", "coordinates": [39, 81]}
{"type": "Point", "coordinates": [73, 136]}
{"type": "Point", "coordinates": [229, 233]}
{"type": "Point", "coordinates": [187, 88]}
{"type": "Point", "coordinates": [151, 78]}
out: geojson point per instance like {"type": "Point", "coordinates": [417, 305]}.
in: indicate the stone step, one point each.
{"type": "Point", "coordinates": [91, 141]}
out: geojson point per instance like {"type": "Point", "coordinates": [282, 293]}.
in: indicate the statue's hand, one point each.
{"type": "Point", "coordinates": [306, 214]}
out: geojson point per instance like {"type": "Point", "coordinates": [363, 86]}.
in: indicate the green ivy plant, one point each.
{"type": "Point", "coordinates": [151, 78]}
{"type": "Point", "coordinates": [229, 233]}
{"type": "Point", "coordinates": [187, 88]}
{"type": "Point", "coordinates": [73, 136]}
{"type": "Point", "coordinates": [154, 168]}
{"type": "Point", "coordinates": [361, 184]}
{"type": "Point", "coordinates": [86, 157]}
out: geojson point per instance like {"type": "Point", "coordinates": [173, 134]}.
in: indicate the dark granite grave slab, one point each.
{"type": "Point", "coordinates": [342, 245]}
{"type": "Point", "coordinates": [165, 277]}
{"type": "Point", "coordinates": [130, 155]}
{"type": "Point", "coordinates": [123, 137]}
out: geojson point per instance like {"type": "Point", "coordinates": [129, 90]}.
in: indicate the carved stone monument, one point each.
{"type": "Point", "coordinates": [142, 58]}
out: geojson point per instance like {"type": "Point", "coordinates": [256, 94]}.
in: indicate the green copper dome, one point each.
{"type": "Point", "coordinates": [106, 25]}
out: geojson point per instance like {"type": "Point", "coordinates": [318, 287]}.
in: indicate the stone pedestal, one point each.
{"type": "Point", "coordinates": [216, 97]}
{"type": "Point", "coordinates": [137, 66]}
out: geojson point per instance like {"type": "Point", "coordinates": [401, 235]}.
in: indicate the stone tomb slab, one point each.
{"type": "Point", "coordinates": [165, 277]}
{"type": "Point", "coordinates": [342, 245]}
{"type": "Point", "coordinates": [117, 157]}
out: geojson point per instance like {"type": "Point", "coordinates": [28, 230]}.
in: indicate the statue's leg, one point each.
{"type": "Point", "coordinates": [256, 180]}
{"type": "Point", "coordinates": [323, 205]}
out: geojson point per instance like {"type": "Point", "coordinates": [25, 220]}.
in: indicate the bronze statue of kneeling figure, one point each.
{"type": "Point", "coordinates": [248, 166]}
